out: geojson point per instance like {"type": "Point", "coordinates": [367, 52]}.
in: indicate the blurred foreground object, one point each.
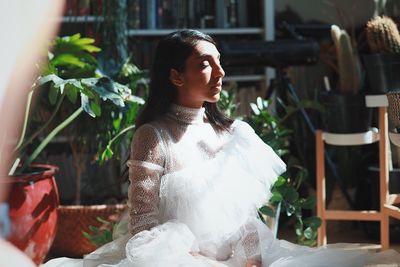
{"type": "Point", "coordinates": [26, 27]}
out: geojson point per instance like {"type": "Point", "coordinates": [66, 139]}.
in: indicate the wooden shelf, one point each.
{"type": "Point", "coordinates": [214, 31]}
{"type": "Point", "coordinates": [240, 78]}
{"type": "Point", "coordinates": [81, 19]}
{"type": "Point", "coordinates": [244, 78]}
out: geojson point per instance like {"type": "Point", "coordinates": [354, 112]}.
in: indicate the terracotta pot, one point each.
{"type": "Point", "coordinates": [33, 199]}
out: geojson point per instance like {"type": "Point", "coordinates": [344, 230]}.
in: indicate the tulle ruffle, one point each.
{"type": "Point", "coordinates": [214, 199]}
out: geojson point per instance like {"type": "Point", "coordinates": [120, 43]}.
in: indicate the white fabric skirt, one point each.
{"type": "Point", "coordinates": [208, 215]}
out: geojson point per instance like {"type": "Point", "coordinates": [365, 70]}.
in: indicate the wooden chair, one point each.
{"type": "Point", "coordinates": [386, 206]}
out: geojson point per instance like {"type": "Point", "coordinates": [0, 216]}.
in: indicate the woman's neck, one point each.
{"type": "Point", "coordinates": [189, 104]}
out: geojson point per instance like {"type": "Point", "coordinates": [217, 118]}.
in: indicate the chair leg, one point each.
{"type": "Point", "coordinates": [321, 199]}
{"type": "Point", "coordinates": [383, 175]}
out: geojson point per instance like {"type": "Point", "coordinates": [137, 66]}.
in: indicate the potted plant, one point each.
{"type": "Point", "coordinates": [90, 180]}
{"type": "Point", "coordinates": [33, 210]}
{"type": "Point", "coordinates": [383, 64]}
{"type": "Point", "coordinates": [345, 109]}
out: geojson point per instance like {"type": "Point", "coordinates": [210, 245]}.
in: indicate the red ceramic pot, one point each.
{"type": "Point", "coordinates": [33, 200]}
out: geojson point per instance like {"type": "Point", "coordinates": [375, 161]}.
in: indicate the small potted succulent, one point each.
{"type": "Point", "coordinates": [383, 64]}
{"type": "Point", "coordinates": [345, 109]}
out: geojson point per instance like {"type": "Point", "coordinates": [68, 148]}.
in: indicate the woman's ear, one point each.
{"type": "Point", "coordinates": [175, 78]}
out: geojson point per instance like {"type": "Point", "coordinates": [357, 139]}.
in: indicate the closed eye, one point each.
{"type": "Point", "coordinates": [204, 64]}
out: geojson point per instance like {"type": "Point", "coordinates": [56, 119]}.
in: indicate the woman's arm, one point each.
{"type": "Point", "coordinates": [146, 166]}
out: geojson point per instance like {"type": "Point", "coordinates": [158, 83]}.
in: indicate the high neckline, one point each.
{"type": "Point", "coordinates": [186, 114]}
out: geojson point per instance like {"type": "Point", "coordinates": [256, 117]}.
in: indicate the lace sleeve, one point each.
{"type": "Point", "coordinates": [248, 245]}
{"type": "Point", "coordinates": [146, 166]}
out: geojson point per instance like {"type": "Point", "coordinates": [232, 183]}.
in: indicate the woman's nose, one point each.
{"type": "Point", "coordinates": [219, 71]}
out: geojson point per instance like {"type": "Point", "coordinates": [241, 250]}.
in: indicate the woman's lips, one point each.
{"type": "Point", "coordinates": [216, 88]}
{"type": "Point", "coordinates": [217, 85]}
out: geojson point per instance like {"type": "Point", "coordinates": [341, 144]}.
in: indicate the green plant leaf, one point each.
{"type": "Point", "coordinates": [309, 233]}
{"type": "Point", "coordinates": [100, 219]}
{"type": "Point", "coordinates": [72, 92]}
{"type": "Point", "coordinates": [290, 209]}
{"type": "Point", "coordinates": [310, 202]}
{"type": "Point", "coordinates": [94, 229]}
{"type": "Point", "coordinates": [53, 94]}
{"type": "Point", "coordinates": [84, 41]}
{"type": "Point", "coordinates": [255, 109]}
{"type": "Point", "coordinates": [280, 181]}
{"type": "Point", "coordinates": [86, 234]}
{"type": "Point", "coordinates": [299, 231]}
{"type": "Point", "coordinates": [52, 77]}
{"type": "Point", "coordinates": [313, 222]}
{"type": "Point", "coordinates": [106, 90]}
{"type": "Point", "coordinates": [268, 211]}
{"type": "Point", "coordinates": [67, 60]}
{"type": "Point", "coordinates": [95, 108]}
{"type": "Point", "coordinates": [117, 124]}
{"type": "Point", "coordinates": [260, 103]}
{"type": "Point", "coordinates": [86, 105]}
{"type": "Point", "coordinates": [260, 215]}
{"type": "Point", "coordinates": [276, 197]}
{"type": "Point", "coordinates": [290, 194]}
{"type": "Point", "coordinates": [106, 154]}
{"type": "Point", "coordinates": [134, 99]}
{"type": "Point", "coordinates": [309, 243]}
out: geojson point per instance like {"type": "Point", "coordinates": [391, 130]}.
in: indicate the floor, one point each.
{"type": "Point", "coordinates": [340, 232]}
{"type": "Point", "coordinates": [344, 232]}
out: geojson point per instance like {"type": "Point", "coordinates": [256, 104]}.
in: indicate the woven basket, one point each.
{"type": "Point", "coordinates": [72, 220]}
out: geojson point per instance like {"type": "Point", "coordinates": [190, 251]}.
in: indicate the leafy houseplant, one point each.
{"type": "Point", "coordinates": [285, 192]}
{"type": "Point", "coordinates": [69, 75]}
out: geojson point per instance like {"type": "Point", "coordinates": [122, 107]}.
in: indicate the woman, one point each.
{"type": "Point", "coordinates": [198, 177]}
{"type": "Point", "coordinates": [184, 131]}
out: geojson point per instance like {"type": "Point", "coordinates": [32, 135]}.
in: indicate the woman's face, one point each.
{"type": "Point", "coordinates": [202, 79]}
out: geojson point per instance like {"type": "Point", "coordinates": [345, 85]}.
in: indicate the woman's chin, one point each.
{"type": "Point", "coordinates": [215, 98]}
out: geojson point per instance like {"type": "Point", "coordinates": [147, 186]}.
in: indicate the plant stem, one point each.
{"type": "Point", "coordinates": [28, 107]}
{"type": "Point", "coordinates": [33, 136]}
{"type": "Point", "coordinates": [120, 133]}
{"type": "Point", "coordinates": [49, 137]}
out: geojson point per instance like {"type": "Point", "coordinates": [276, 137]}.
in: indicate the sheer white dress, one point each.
{"type": "Point", "coordinates": [193, 201]}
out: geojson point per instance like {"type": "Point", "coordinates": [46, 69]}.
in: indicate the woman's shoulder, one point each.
{"type": "Point", "coordinates": [242, 126]}
{"type": "Point", "coordinates": [148, 130]}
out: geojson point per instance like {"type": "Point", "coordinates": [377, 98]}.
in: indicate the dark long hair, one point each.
{"type": "Point", "coordinates": [171, 53]}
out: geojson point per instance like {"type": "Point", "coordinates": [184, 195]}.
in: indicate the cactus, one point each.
{"type": "Point", "coordinates": [383, 35]}
{"type": "Point", "coordinates": [348, 62]}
